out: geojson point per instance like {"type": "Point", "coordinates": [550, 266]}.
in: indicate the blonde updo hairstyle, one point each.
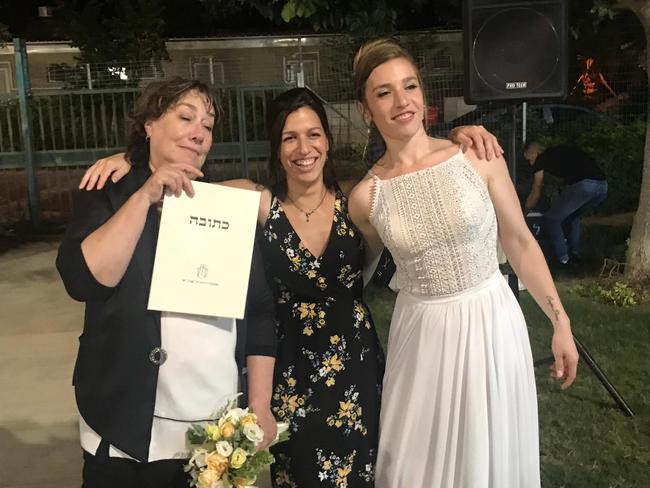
{"type": "Point", "coordinates": [373, 54]}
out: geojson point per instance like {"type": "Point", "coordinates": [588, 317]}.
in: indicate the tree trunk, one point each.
{"type": "Point", "coordinates": [638, 254]}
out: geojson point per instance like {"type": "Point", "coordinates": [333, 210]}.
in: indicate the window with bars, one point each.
{"type": "Point", "coordinates": [207, 70]}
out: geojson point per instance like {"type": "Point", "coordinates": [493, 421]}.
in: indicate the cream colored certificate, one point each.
{"type": "Point", "coordinates": [204, 251]}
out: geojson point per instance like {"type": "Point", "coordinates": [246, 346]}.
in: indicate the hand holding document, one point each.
{"type": "Point", "coordinates": [204, 251]}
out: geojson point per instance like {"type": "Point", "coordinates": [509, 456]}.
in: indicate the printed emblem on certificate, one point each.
{"type": "Point", "coordinates": [204, 251]}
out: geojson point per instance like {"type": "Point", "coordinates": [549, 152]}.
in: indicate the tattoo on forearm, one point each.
{"type": "Point", "coordinates": [555, 310]}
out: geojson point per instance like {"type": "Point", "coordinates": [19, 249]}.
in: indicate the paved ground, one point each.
{"type": "Point", "coordinates": [39, 326]}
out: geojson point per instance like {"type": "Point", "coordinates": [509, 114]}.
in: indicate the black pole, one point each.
{"type": "Point", "coordinates": [513, 281]}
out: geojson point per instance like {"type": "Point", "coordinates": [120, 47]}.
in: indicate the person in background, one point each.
{"type": "Point", "coordinates": [585, 188]}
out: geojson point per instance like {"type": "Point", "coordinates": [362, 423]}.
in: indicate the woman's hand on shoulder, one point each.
{"type": "Point", "coordinates": [114, 166]}
{"type": "Point", "coordinates": [484, 143]}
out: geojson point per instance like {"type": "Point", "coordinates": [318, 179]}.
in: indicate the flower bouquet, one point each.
{"type": "Point", "coordinates": [224, 452]}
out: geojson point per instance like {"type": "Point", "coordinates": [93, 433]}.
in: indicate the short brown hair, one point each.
{"type": "Point", "coordinates": [156, 99]}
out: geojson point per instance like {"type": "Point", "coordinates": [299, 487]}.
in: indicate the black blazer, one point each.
{"type": "Point", "coordinates": [116, 371]}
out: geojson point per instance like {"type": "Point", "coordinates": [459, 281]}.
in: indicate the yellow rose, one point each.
{"type": "Point", "coordinates": [217, 463]}
{"type": "Point", "coordinates": [251, 418]}
{"type": "Point", "coordinates": [208, 478]}
{"type": "Point", "coordinates": [227, 430]}
{"type": "Point", "coordinates": [213, 432]}
{"type": "Point", "coordinates": [238, 458]}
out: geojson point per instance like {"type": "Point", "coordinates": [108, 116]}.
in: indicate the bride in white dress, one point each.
{"type": "Point", "coordinates": [459, 407]}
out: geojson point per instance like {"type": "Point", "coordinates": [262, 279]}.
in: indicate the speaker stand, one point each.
{"type": "Point", "coordinates": [513, 281]}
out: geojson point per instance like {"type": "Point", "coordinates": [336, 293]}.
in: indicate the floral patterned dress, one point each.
{"type": "Point", "coordinates": [330, 364]}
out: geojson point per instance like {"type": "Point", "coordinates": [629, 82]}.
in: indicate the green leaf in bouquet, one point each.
{"type": "Point", "coordinates": [283, 436]}
{"type": "Point", "coordinates": [197, 435]}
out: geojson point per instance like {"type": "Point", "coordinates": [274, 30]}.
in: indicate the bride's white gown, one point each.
{"type": "Point", "coordinates": [459, 407]}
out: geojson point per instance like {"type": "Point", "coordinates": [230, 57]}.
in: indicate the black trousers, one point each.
{"type": "Point", "coordinates": [102, 471]}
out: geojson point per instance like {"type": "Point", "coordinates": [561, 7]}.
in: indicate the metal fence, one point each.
{"type": "Point", "coordinates": [84, 118]}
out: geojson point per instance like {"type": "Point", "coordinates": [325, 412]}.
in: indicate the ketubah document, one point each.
{"type": "Point", "coordinates": [204, 251]}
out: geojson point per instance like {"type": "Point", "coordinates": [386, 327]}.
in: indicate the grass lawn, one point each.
{"type": "Point", "coordinates": [585, 441]}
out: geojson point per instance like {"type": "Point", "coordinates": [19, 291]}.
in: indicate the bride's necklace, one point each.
{"type": "Point", "coordinates": [311, 212]}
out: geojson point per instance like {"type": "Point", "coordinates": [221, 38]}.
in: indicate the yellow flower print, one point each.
{"type": "Point", "coordinates": [311, 274]}
{"type": "Point", "coordinates": [306, 310]}
{"type": "Point", "coordinates": [321, 314]}
{"type": "Point", "coordinates": [308, 331]}
{"type": "Point", "coordinates": [342, 230]}
{"type": "Point", "coordinates": [349, 414]}
{"type": "Point", "coordinates": [334, 339]}
{"type": "Point", "coordinates": [332, 363]}
{"type": "Point", "coordinates": [335, 469]}
{"type": "Point", "coordinates": [345, 409]}
{"type": "Point", "coordinates": [343, 473]}
{"type": "Point", "coordinates": [290, 402]}
{"type": "Point", "coordinates": [330, 381]}
{"type": "Point", "coordinates": [336, 363]}
{"type": "Point", "coordinates": [321, 283]}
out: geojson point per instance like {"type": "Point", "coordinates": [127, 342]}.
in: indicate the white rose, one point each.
{"type": "Point", "coordinates": [199, 456]}
{"type": "Point", "coordinates": [224, 448]}
{"type": "Point", "coordinates": [253, 433]}
{"type": "Point", "coordinates": [236, 414]}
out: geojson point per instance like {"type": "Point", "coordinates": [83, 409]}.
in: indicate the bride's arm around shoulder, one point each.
{"type": "Point", "coordinates": [360, 205]}
{"type": "Point", "coordinates": [528, 262]}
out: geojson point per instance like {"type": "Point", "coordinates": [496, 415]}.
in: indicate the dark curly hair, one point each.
{"type": "Point", "coordinates": [156, 99]}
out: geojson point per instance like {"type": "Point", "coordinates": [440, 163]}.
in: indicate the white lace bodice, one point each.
{"type": "Point", "coordinates": [440, 226]}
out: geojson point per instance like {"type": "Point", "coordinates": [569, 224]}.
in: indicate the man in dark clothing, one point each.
{"type": "Point", "coordinates": [586, 187]}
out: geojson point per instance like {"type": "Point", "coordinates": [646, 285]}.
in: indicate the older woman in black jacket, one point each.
{"type": "Point", "coordinates": [143, 376]}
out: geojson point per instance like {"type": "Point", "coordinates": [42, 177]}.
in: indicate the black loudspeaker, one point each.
{"type": "Point", "coordinates": [514, 49]}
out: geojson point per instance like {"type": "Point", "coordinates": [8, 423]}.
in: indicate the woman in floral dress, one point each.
{"type": "Point", "coordinates": [328, 374]}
